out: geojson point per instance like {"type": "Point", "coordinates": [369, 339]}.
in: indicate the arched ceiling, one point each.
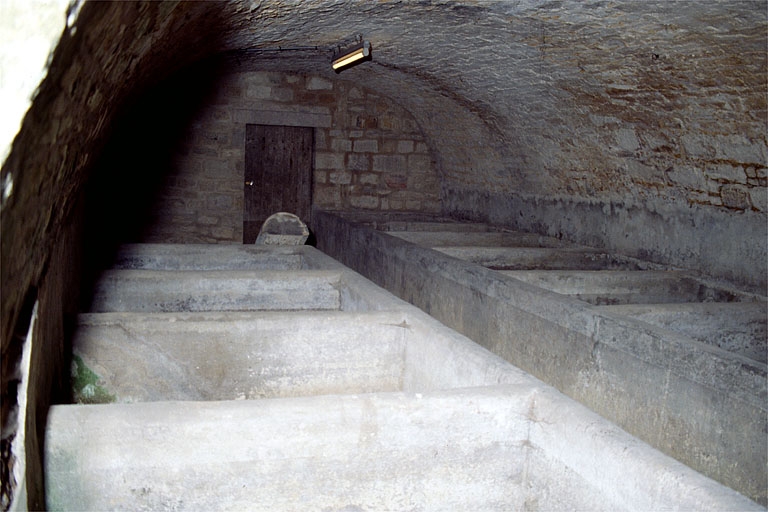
{"type": "Point", "coordinates": [608, 100]}
{"type": "Point", "coordinates": [594, 98]}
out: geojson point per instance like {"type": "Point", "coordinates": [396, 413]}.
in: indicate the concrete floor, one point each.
{"type": "Point", "coordinates": [672, 357]}
{"type": "Point", "coordinates": [362, 402]}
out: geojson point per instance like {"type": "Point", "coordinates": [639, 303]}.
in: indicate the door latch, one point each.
{"type": "Point", "coordinates": [249, 183]}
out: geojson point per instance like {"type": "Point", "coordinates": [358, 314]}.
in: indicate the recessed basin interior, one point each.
{"type": "Point", "coordinates": [738, 327]}
{"type": "Point", "coordinates": [132, 357]}
{"type": "Point", "coordinates": [504, 447]}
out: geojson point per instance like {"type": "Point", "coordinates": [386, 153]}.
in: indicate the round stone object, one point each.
{"type": "Point", "coordinates": [283, 228]}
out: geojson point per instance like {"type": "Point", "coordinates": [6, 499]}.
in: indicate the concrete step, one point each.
{"type": "Point", "coordinates": [541, 258]}
{"type": "Point", "coordinates": [497, 448]}
{"type": "Point", "coordinates": [225, 290]}
{"type": "Point", "coordinates": [208, 257]}
{"type": "Point", "coordinates": [480, 239]}
{"type": "Point", "coordinates": [739, 327]}
{"type": "Point", "coordinates": [606, 287]}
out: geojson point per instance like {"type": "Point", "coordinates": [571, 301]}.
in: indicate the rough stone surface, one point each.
{"type": "Point", "coordinates": [106, 54]}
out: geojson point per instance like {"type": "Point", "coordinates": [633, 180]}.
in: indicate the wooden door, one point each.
{"type": "Point", "coordinates": [278, 174]}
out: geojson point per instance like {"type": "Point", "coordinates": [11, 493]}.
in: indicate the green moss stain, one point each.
{"type": "Point", "coordinates": [85, 385]}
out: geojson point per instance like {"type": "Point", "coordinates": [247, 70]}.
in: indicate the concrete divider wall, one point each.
{"type": "Point", "coordinates": [701, 405]}
{"type": "Point", "coordinates": [458, 239]}
{"type": "Point", "coordinates": [513, 258]}
{"type": "Point", "coordinates": [208, 256]}
{"type": "Point", "coordinates": [222, 257]}
{"type": "Point", "coordinates": [233, 290]}
{"type": "Point", "coordinates": [625, 287]}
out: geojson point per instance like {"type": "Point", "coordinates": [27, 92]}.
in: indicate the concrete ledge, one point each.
{"type": "Point", "coordinates": [502, 448]}
{"type": "Point", "coordinates": [625, 470]}
{"type": "Point", "coordinates": [202, 257]}
{"type": "Point", "coordinates": [428, 223]}
{"type": "Point", "coordinates": [700, 404]}
{"type": "Point", "coordinates": [207, 257]}
{"type": "Point", "coordinates": [225, 290]}
{"type": "Point", "coordinates": [440, 358]}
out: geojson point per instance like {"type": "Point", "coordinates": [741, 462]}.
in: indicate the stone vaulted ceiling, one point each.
{"type": "Point", "coordinates": [594, 98]}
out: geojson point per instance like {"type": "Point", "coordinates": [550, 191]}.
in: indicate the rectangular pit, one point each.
{"type": "Point", "coordinates": [136, 357]}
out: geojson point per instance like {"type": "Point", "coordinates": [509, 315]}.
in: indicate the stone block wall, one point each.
{"type": "Point", "coordinates": [370, 154]}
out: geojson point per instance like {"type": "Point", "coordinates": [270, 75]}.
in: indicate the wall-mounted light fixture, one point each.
{"type": "Point", "coordinates": [353, 55]}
